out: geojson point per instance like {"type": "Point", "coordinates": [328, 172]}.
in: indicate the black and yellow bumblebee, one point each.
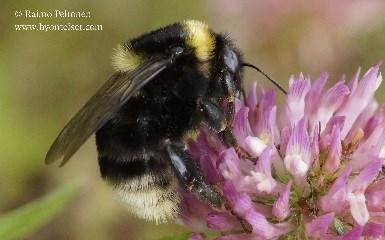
{"type": "Point", "coordinates": [168, 83]}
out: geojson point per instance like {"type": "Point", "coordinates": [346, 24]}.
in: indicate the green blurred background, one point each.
{"type": "Point", "coordinates": [45, 77]}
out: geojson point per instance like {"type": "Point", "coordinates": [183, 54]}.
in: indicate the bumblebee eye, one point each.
{"type": "Point", "coordinates": [176, 51]}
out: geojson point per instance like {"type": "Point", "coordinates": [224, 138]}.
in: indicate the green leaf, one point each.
{"type": "Point", "coordinates": [26, 219]}
{"type": "Point", "coordinates": [183, 236]}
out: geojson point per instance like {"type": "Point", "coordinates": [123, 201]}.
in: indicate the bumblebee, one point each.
{"type": "Point", "coordinates": [168, 83]}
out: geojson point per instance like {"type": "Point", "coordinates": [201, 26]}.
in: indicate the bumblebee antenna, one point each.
{"type": "Point", "coordinates": [266, 75]}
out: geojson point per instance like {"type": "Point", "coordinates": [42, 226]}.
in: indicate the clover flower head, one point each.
{"type": "Point", "coordinates": [311, 169]}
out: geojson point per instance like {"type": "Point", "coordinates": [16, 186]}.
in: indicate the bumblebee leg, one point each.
{"type": "Point", "coordinates": [215, 119]}
{"type": "Point", "coordinates": [231, 92]}
{"type": "Point", "coordinates": [230, 82]}
{"type": "Point", "coordinates": [190, 176]}
{"type": "Point", "coordinates": [212, 114]}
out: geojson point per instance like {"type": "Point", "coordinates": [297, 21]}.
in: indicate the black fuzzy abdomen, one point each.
{"type": "Point", "coordinates": [128, 132]}
{"type": "Point", "coordinates": [130, 144]}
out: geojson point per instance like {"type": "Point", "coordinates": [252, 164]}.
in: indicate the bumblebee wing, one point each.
{"type": "Point", "coordinates": [102, 107]}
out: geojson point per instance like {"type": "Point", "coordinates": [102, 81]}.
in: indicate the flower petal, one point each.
{"type": "Point", "coordinates": [193, 212]}
{"type": "Point", "coordinates": [208, 169]}
{"type": "Point", "coordinates": [366, 176]}
{"type": "Point", "coordinates": [240, 202]}
{"type": "Point", "coordinates": [374, 230]}
{"type": "Point", "coordinates": [358, 208]}
{"type": "Point", "coordinates": [230, 165]}
{"type": "Point", "coordinates": [335, 151]}
{"type": "Point", "coordinates": [241, 126]}
{"type": "Point", "coordinates": [253, 95]}
{"type": "Point", "coordinates": [335, 199]}
{"type": "Point", "coordinates": [371, 148]}
{"type": "Point", "coordinates": [298, 151]}
{"type": "Point", "coordinates": [222, 222]}
{"type": "Point", "coordinates": [356, 190]}
{"type": "Point", "coordinates": [295, 99]}
{"type": "Point", "coordinates": [254, 146]}
{"type": "Point", "coordinates": [266, 129]}
{"type": "Point", "coordinates": [363, 119]}
{"type": "Point", "coordinates": [311, 100]}
{"type": "Point", "coordinates": [285, 137]}
{"type": "Point", "coordinates": [354, 234]}
{"type": "Point", "coordinates": [262, 174]}
{"type": "Point", "coordinates": [318, 226]}
{"type": "Point", "coordinates": [281, 208]}
{"type": "Point", "coordinates": [315, 144]}
{"type": "Point", "coordinates": [359, 98]}
{"type": "Point", "coordinates": [375, 195]}
{"type": "Point", "coordinates": [263, 228]}
{"type": "Point", "coordinates": [330, 102]}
